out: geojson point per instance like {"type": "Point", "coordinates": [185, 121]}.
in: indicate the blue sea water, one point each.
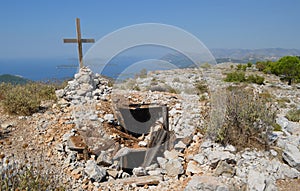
{"type": "Point", "coordinates": [39, 69]}
{"type": "Point", "coordinates": [124, 65]}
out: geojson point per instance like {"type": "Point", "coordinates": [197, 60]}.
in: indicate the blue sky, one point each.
{"type": "Point", "coordinates": [35, 28]}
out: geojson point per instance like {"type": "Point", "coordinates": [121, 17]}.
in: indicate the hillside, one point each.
{"type": "Point", "coordinates": [162, 131]}
{"type": "Point", "coordinates": [252, 55]}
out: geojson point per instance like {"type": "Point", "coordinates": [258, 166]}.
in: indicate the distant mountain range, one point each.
{"type": "Point", "coordinates": [252, 55]}
{"type": "Point", "coordinates": [7, 78]}
{"type": "Point", "coordinates": [235, 56]}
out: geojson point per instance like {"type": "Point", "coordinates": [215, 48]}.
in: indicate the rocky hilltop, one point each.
{"type": "Point", "coordinates": [150, 133]}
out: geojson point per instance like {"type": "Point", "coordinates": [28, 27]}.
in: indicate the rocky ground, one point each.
{"type": "Point", "coordinates": [81, 142]}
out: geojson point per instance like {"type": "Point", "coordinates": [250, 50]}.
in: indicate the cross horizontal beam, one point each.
{"type": "Point", "coordinates": [74, 40]}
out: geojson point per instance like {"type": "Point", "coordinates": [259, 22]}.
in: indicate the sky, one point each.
{"type": "Point", "coordinates": [35, 28]}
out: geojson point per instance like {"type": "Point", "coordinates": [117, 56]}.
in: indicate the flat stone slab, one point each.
{"type": "Point", "coordinates": [139, 181]}
{"type": "Point", "coordinates": [76, 143]}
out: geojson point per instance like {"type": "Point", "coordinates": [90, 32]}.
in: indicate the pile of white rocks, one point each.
{"type": "Point", "coordinates": [223, 167]}
{"type": "Point", "coordinates": [258, 170]}
{"type": "Point", "coordinates": [85, 86]}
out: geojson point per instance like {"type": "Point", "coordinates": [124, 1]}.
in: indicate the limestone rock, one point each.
{"type": "Point", "coordinates": [291, 155]}
{"type": "Point", "coordinates": [139, 171]}
{"type": "Point", "coordinates": [94, 172]}
{"type": "Point", "coordinates": [173, 154]}
{"type": "Point", "coordinates": [224, 168]}
{"type": "Point", "coordinates": [199, 158]}
{"type": "Point", "coordinates": [162, 162]}
{"type": "Point", "coordinates": [207, 183]}
{"type": "Point", "coordinates": [256, 180]}
{"type": "Point", "coordinates": [193, 167]}
{"type": "Point", "coordinates": [174, 167]}
{"type": "Point", "coordinates": [109, 118]}
{"type": "Point", "coordinates": [103, 159]}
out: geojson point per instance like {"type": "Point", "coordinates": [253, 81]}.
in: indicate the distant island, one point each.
{"type": "Point", "coordinates": [13, 79]}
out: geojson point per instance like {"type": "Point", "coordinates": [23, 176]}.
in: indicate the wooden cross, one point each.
{"type": "Point", "coordinates": [79, 41]}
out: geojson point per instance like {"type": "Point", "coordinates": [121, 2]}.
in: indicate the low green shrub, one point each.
{"type": "Point", "coordinates": [201, 87]}
{"type": "Point", "coordinates": [248, 120]}
{"type": "Point", "coordinates": [255, 79]}
{"type": "Point", "coordinates": [27, 176]}
{"type": "Point", "coordinates": [277, 127]}
{"type": "Point", "coordinates": [206, 66]}
{"type": "Point", "coordinates": [293, 115]}
{"type": "Point", "coordinates": [25, 99]}
{"type": "Point", "coordinates": [235, 77]}
{"type": "Point", "coordinates": [21, 101]}
{"type": "Point", "coordinates": [241, 77]}
{"type": "Point", "coordinates": [176, 79]}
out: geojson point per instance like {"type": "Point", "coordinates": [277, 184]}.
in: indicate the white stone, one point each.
{"type": "Point", "coordinates": [94, 172]}
{"type": "Point", "coordinates": [142, 144]}
{"type": "Point", "coordinates": [199, 158]}
{"type": "Point", "coordinates": [193, 167]}
{"type": "Point", "coordinates": [207, 183]}
{"type": "Point", "coordinates": [162, 162]}
{"type": "Point", "coordinates": [140, 171]}
{"type": "Point", "coordinates": [291, 155]}
{"type": "Point", "coordinates": [256, 180]}
{"type": "Point", "coordinates": [174, 167]}
{"type": "Point", "coordinates": [173, 154]}
{"type": "Point", "coordinates": [109, 118]}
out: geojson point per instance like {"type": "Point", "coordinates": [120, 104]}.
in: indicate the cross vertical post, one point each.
{"type": "Point", "coordinates": [79, 42]}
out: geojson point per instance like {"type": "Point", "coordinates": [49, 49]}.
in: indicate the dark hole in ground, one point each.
{"type": "Point", "coordinates": [138, 119]}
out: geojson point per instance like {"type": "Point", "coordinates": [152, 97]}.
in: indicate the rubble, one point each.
{"type": "Point", "coordinates": [94, 172]}
{"type": "Point", "coordinates": [100, 147]}
{"type": "Point", "coordinates": [209, 183]}
{"type": "Point", "coordinates": [174, 167]}
{"type": "Point", "coordinates": [291, 155]}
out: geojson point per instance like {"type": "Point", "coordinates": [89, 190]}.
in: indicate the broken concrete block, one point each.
{"type": "Point", "coordinates": [130, 158]}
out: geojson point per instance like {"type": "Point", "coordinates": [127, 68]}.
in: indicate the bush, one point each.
{"type": "Point", "coordinates": [248, 120]}
{"type": "Point", "coordinates": [206, 66]}
{"type": "Point", "coordinates": [240, 77]}
{"type": "Point", "coordinates": [293, 115]}
{"type": "Point", "coordinates": [235, 77]}
{"type": "Point", "coordinates": [142, 74]}
{"type": "Point", "coordinates": [163, 88]}
{"type": "Point", "coordinates": [26, 176]}
{"type": "Point", "coordinates": [201, 87]}
{"type": "Point", "coordinates": [176, 79]}
{"type": "Point", "coordinates": [4, 88]}
{"type": "Point", "coordinates": [26, 99]}
{"type": "Point", "coordinates": [239, 67]}
{"type": "Point", "coordinates": [255, 79]}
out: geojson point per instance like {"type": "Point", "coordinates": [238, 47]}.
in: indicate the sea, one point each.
{"type": "Point", "coordinates": [55, 69]}
{"type": "Point", "coordinates": [120, 67]}
{"type": "Point", "coordinates": [40, 69]}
